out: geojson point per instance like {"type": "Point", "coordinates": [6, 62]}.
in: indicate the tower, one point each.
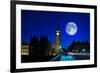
{"type": "Point", "coordinates": [57, 47]}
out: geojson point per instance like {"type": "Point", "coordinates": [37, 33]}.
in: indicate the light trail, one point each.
{"type": "Point", "coordinates": [81, 54]}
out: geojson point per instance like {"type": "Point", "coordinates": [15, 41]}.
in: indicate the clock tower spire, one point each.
{"type": "Point", "coordinates": [57, 47]}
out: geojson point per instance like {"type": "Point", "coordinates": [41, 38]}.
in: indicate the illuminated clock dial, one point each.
{"type": "Point", "coordinates": [57, 33]}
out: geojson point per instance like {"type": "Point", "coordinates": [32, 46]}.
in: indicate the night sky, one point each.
{"type": "Point", "coordinates": [44, 23]}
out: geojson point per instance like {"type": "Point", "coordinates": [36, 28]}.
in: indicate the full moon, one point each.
{"type": "Point", "coordinates": [71, 28]}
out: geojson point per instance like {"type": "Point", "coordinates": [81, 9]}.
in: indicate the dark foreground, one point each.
{"type": "Point", "coordinates": [36, 58]}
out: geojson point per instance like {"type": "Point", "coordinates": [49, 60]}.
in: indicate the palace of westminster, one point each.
{"type": "Point", "coordinates": [55, 49]}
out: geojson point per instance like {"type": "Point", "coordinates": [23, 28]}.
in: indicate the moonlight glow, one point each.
{"type": "Point", "coordinates": [71, 28]}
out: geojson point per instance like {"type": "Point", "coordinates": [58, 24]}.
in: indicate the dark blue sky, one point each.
{"type": "Point", "coordinates": [45, 23]}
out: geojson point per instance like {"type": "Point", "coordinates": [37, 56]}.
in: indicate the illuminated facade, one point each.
{"type": "Point", "coordinates": [24, 49]}
{"type": "Point", "coordinates": [57, 47]}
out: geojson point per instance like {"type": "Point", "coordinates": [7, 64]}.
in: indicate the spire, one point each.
{"type": "Point", "coordinates": [57, 28]}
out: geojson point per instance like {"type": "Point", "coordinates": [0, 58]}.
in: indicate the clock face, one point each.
{"type": "Point", "coordinates": [57, 33]}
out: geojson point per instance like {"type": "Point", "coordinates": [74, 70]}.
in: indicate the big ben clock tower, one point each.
{"type": "Point", "coordinates": [57, 47]}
